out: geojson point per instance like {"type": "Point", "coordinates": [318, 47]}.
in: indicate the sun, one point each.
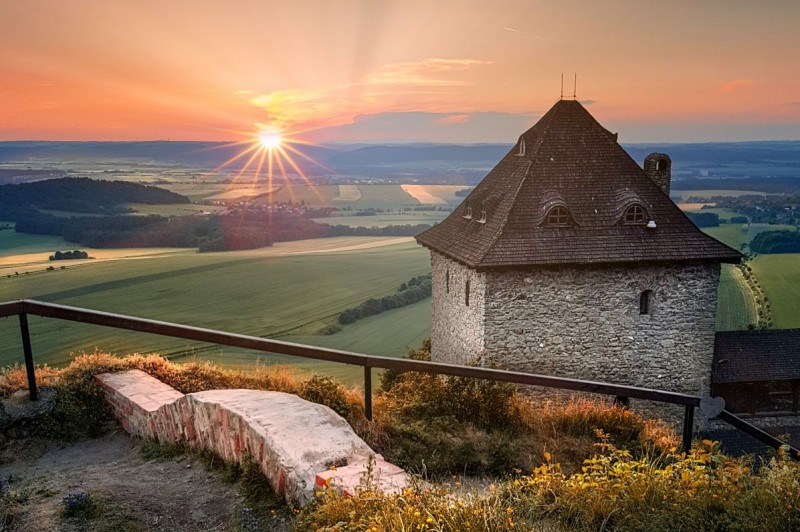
{"type": "Point", "coordinates": [269, 139]}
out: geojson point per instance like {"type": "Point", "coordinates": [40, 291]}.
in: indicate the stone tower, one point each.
{"type": "Point", "coordinates": [569, 259]}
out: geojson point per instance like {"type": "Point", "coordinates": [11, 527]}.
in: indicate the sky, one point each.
{"type": "Point", "coordinates": [396, 71]}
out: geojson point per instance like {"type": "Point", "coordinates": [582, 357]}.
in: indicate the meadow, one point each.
{"type": "Point", "coordinates": [779, 276]}
{"type": "Point", "coordinates": [292, 289]}
{"type": "Point", "coordinates": [735, 306]}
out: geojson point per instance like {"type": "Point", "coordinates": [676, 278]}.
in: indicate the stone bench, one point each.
{"type": "Point", "coordinates": [296, 443]}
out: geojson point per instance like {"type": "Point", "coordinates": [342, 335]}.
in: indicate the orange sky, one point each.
{"type": "Point", "coordinates": [447, 71]}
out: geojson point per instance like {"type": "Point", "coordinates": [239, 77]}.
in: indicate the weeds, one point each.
{"type": "Point", "coordinates": [702, 490]}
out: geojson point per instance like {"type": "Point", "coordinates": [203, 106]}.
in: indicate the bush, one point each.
{"type": "Point", "coordinates": [324, 391]}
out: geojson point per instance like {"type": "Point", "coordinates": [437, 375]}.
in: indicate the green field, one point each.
{"type": "Point", "coordinates": [13, 243]}
{"type": "Point", "coordinates": [779, 276]}
{"type": "Point", "coordinates": [735, 306]}
{"type": "Point", "coordinates": [255, 292]}
{"type": "Point", "coordinates": [733, 235]}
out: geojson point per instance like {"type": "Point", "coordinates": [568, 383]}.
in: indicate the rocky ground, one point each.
{"type": "Point", "coordinates": [134, 493]}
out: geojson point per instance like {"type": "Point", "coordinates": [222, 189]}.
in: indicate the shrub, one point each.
{"type": "Point", "coordinates": [702, 490]}
{"type": "Point", "coordinates": [325, 391]}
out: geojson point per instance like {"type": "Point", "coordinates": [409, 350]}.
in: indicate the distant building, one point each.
{"type": "Point", "coordinates": [570, 259]}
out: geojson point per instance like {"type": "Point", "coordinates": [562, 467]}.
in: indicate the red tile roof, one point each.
{"type": "Point", "coordinates": [569, 160]}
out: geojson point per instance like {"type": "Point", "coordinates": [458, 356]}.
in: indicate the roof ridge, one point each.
{"type": "Point", "coordinates": [499, 233]}
{"type": "Point", "coordinates": [569, 153]}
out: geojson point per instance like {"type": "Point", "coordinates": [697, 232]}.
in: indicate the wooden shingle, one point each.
{"type": "Point", "coordinates": [569, 160]}
{"type": "Point", "coordinates": [756, 356]}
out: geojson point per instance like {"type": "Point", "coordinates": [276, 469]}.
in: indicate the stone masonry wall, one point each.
{"type": "Point", "coordinates": [457, 330]}
{"type": "Point", "coordinates": [585, 323]}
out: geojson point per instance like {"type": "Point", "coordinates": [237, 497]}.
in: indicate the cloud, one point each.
{"type": "Point", "coordinates": [523, 33]}
{"type": "Point", "coordinates": [453, 119]}
{"type": "Point", "coordinates": [735, 85]}
{"type": "Point", "coordinates": [429, 127]}
{"type": "Point", "coordinates": [431, 72]}
{"type": "Point", "coordinates": [587, 102]}
{"type": "Point", "coordinates": [399, 87]}
{"type": "Point", "coordinates": [793, 103]}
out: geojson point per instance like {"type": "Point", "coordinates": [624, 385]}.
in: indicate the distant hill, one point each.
{"type": "Point", "coordinates": [430, 163]}
{"type": "Point", "coordinates": [79, 195]}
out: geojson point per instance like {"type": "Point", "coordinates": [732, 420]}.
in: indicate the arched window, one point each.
{"type": "Point", "coordinates": [447, 281]}
{"type": "Point", "coordinates": [558, 216]}
{"type": "Point", "coordinates": [646, 302]}
{"type": "Point", "coordinates": [468, 211]}
{"type": "Point", "coordinates": [521, 147]}
{"type": "Point", "coordinates": [661, 164]}
{"type": "Point", "coordinates": [466, 293]}
{"type": "Point", "coordinates": [482, 218]}
{"type": "Point", "coordinates": [634, 215]}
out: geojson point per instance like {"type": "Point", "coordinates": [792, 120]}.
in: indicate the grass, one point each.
{"type": "Point", "coordinates": [614, 490]}
{"type": "Point", "coordinates": [390, 333]}
{"type": "Point", "coordinates": [587, 465]}
{"type": "Point", "coordinates": [249, 292]}
{"type": "Point", "coordinates": [13, 243]}
{"type": "Point", "coordinates": [779, 276]}
{"type": "Point", "coordinates": [735, 307]}
{"type": "Point", "coordinates": [734, 235]}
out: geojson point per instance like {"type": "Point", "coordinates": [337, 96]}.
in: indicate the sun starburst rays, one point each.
{"type": "Point", "coordinates": [270, 155]}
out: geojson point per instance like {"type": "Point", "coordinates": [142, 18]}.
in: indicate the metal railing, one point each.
{"type": "Point", "coordinates": [23, 308]}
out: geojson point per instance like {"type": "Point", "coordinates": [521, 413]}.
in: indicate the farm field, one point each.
{"type": "Point", "coordinates": [435, 194]}
{"type": "Point", "coordinates": [353, 196]}
{"type": "Point", "coordinates": [734, 235]}
{"type": "Point", "coordinates": [686, 194]}
{"type": "Point", "coordinates": [735, 307]}
{"type": "Point", "coordinates": [779, 276]}
{"type": "Point", "coordinates": [13, 243]}
{"type": "Point", "coordinates": [384, 219]}
{"type": "Point", "coordinates": [272, 292]}
{"type": "Point", "coordinates": [175, 209]}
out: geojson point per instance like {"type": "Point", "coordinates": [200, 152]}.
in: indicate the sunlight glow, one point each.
{"type": "Point", "coordinates": [269, 139]}
{"type": "Point", "coordinates": [269, 158]}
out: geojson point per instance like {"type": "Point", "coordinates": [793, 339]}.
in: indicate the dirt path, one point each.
{"type": "Point", "coordinates": [177, 494]}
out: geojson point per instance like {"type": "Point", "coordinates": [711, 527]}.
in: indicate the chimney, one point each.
{"type": "Point", "coordinates": [658, 167]}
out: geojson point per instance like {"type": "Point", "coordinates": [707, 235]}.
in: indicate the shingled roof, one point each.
{"type": "Point", "coordinates": [756, 356]}
{"type": "Point", "coordinates": [568, 159]}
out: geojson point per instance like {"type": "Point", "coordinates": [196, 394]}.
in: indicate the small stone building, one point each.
{"type": "Point", "coordinates": [570, 259]}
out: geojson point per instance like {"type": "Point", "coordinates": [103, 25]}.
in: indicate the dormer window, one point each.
{"type": "Point", "coordinates": [521, 147]}
{"type": "Point", "coordinates": [634, 215]}
{"type": "Point", "coordinates": [468, 211]}
{"type": "Point", "coordinates": [482, 218]}
{"type": "Point", "coordinates": [558, 216]}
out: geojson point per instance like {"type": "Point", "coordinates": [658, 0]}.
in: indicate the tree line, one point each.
{"type": "Point", "coordinates": [219, 232]}
{"type": "Point", "coordinates": [69, 255]}
{"type": "Point", "coordinates": [776, 242]}
{"type": "Point", "coordinates": [416, 289]}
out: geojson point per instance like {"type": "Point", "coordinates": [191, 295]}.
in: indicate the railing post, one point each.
{"type": "Point", "coordinates": [368, 392]}
{"type": "Point", "coordinates": [688, 428]}
{"type": "Point", "coordinates": [26, 348]}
